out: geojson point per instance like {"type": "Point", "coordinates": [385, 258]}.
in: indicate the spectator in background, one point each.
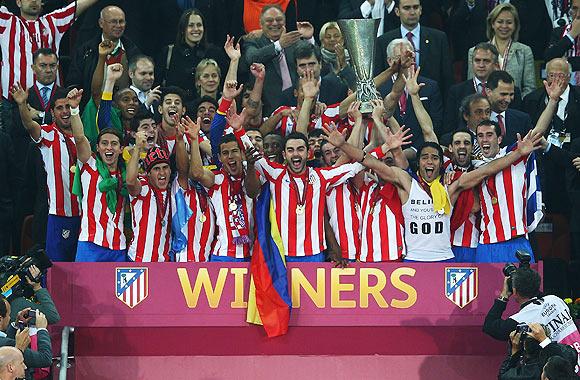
{"type": "Point", "coordinates": [85, 57]}
{"type": "Point", "coordinates": [142, 75]}
{"type": "Point", "coordinates": [177, 63]}
{"type": "Point", "coordinates": [558, 368]}
{"type": "Point", "coordinates": [430, 45]}
{"type": "Point", "coordinates": [207, 78]}
{"type": "Point", "coordinates": [12, 365]}
{"type": "Point", "coordinates": [335, 57]}
{"type": "Point", "coordinates": [275, 50]}
{"type": "Point", "coordinates": [383, 10]}
{"type": "Point", "coordinates": [503, 28]}
{"type": "Point", "coordinates": [564, 42]}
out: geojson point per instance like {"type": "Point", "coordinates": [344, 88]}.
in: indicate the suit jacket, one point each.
{"type": "Point", "coordinates": [520, 66]}
{"type": "Point", "coordinates": [535, 103]}
{"type": "Point", "coordinates": [452, 118]}
{"type": "Point", "coordinates": [351, 9]}
{"type": "Point", "coordinates": [262, 50]}
{"type": "Point", "coordinates": [33, 359]}
{"type": "Point", "coordinates": [466, 26]}
{"type": "Point", "coordinates": [559, 46]}
{"type": "Point", "coordinates": [515, 122]}
{"type": "Point", "coordinates": [431, 99]}
{"type": "Point", "coordinates": [434, 55]}
{"type": "Point", "coordinates": [332, 91]}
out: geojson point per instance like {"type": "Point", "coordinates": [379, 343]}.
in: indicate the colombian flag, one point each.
{"type": "Point", "coordinates": [269, 303]}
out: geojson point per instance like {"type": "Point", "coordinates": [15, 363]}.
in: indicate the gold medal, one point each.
{"type": "Point", "coordinates": [73, 169]}
{"type": "Point", "coordinates": [300, 209]}
{"type": "Point", "coordinates": [233, 206]}
{"type": "Point", "coordinates": [202, 218]}
{"type": "Point", "coordinates": [494, 200]}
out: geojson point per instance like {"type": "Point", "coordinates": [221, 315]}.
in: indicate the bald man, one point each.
{"type": "Point", "coordinates": [564, 128]}
{"type": "Point", "coordinates": [11, 363]}
{"type": "Point", "coordinates": [112, 23]}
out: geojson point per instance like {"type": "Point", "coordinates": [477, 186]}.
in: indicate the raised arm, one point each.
{"type": "Point", "coordinates": [234, 53]}
{"type": "Point", "coordinates": [181, 157]}
{"type": "Point", "coordinates": [423, 117]}
{"type": "Point", "coordinates": [196, 170]}
{"type": "Point", "coordinates": [106, 47]}
{"type": "Point", "coordinates": [554, 90]}
{"type": "Point", "coordinates": [356, 134]}
{"type": "Point", "coordinates": [310, 88]}
{"type": "Point", "coordinates": [81, 142]}
{"type": "Point", "coordinates": [254, 106]}
{"type": "Point", "coordinates": [133, 184]}
{"type": "Point", "coordinates": [83, 5]}
{"type": "Point", "coordinates": [114, 72]}
{"type": "Point", "coordinates": [471, 179]}
{"type": "Point", "coordinates": [21, 97]}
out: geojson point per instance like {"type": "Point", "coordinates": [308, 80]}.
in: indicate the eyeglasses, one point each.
{"type": "Point", "coordinates": [115, 22]}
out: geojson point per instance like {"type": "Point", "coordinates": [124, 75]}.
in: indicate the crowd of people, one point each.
{"type": "Point", "coordinates": [122, 156]}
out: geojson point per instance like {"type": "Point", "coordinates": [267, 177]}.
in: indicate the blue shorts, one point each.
{"type": "Point", "coordinates": [451, 260]}
{"type": "Point", "coordinates": [91, 252]}
{"type": "Point", "coordinates": [62, 236]}
{"type": "Point", "coordinates": [319, 258]}
{"type": "Point", "coordinates": [503, 252]}
{"type": "Point", "coordinates": [227, 259]}
{"type": "Point", "coordinates": [464, 254]}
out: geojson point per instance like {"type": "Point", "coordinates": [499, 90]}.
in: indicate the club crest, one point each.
{"type": "Point", "coordinates": [461, 285]}
{"type": "Point", "coordinates": [131, 285]}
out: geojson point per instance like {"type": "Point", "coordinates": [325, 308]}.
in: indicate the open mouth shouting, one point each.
{"type": "Point", "coordinates": [131, 111]}
{"type": "Point", "coordinates": [486, 149]}
{"type": "Point", "coordinates": [296, 163]}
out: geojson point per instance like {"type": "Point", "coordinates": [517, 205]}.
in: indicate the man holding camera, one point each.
{"type": "Point", "coordinates": [551, 311]}
{"type": "Point", "coordinates": [27, 321]}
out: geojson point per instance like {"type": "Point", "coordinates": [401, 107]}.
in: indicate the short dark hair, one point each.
{"type": "Point", "coordinates": [172, 90]}
{"type": "Point", "coordinates": [139, 117]}
{"type": "Point", "coordinates": [58, 94]}
{"type": "Point", "coordinates": [270, 6]}
{"type": "Point", "coordinates": [323, 143]}
{"type": "Point", "coordinates": [3, 308]}
{"type": "Point", "coordinates": [254, 129]}
{"type": "Point", "coordinates": [316, 132]}
{"type": "Point", "coordinates": [137, 58]}
{"type": "Point", "coordinates": [462, 130]}
{"type": "Point", "coordinates": [203, 99]}
{"type": "Point", "coordinates": [559, 368]}
{"type": "Point", "coordinates": [228, 138]}
{"type": "Point", "coordinates": [527, 282]}
{"type": "Point", "coordinates": [497, 76]}
{"type": "Point", "coordinates": [464, 107]}
{"type": "Point", "coordinates": [431, 144]}
{"type": "Point", "coordinates": [489, 47]}
{"type": "Point", "coordinates": [398, 1]}
{"type": "Point", "coordinates": [111, 131]}
{"type": "Point", "coordinates": [43, 51]}
{"type": "Point", "coordinates": [296, 136]}
{"type": "Point", "coordinates": [490, 123]}
{"type": "Point", "coordinates": [304, 49]}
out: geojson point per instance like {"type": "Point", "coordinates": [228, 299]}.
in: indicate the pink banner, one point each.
{"type": "Point", "coordinates": [212, 294]}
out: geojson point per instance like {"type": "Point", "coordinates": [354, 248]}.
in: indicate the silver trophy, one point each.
{"type": "Point", "coordinates": [359, 38]}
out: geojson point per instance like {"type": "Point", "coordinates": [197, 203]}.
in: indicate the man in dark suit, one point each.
{"type": "Point", "coordinates": [308, 57]}
{"type": "Point", "coordinates": [383, 9]}
{"type": "Point", "coordinates": [275, 50]}
{"type": "Point", "coordinates": [429, 95]}
{"type": "Point", "coordinates": [430, 45]}
{"type": "Point", "coordinates": [501, 93]}
{"type": "Point", "coordinates": [563, 39]}
{"type": "Point", "coordinates": [565, 126]}
{"type": "Point", "coordinates": [485, 61]}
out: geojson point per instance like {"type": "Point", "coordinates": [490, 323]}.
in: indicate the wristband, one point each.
{"type": "Point", "coordinates": [224, 106]}
{"type": "Point", "coordinates": [74, 111]}
{"type": "Point", "coordinates": [378, 152]}
{"type": "Point", "coordinates": [503, 299]}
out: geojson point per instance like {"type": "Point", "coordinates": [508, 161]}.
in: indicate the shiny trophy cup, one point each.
{"type": "Point", "coordinates": [359, 38]}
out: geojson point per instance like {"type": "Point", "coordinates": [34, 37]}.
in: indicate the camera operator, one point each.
{"type": "Point", "coordinates": [548, 310]}
{"type": "Point", "coordinates": [40, 299]}
{"type": "Point", "coordinates": [530, 350]}
{"type": "Point", "coordinates": [10, 336]}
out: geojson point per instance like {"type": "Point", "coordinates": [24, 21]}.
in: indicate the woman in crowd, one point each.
{"type": "Point", "coordinates": [207, 78]}
{"type": "Point", "coordinates": [503, 27]}
{"type": "Point", "coordinates": [177, 64]}
{"type": "Point", "coordinates": [335, 57]}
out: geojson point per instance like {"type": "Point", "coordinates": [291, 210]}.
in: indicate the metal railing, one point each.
{"type": "Point", "coordinates": [64, 357]}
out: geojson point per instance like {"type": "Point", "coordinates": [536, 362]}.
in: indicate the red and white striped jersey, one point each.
{"type": "Point", "coordinates": [382, 231]}
{"type": "Point", "coordinates": [302, 231]}
{"type": "Point", "coordinates": [228, 219]}
{"type": "Point", "coordinates": [342, 205]}
{"type": "Point", "coordinates": [59, 155]}
{"type": "Point", "coordinates": [287, 124]}
{"type": "Point", "coordinates": [151, 226]}
{"type": "Point", "coordinates": [20, 38]}
{"type": "Point", "coordinates": [466, 235]}
{"type": "Point", "coordinates": [200, 228]}
{"type": "Point", "coordinates": [98, 224]}
{"type": "Point", "coordinates": [503, 200]}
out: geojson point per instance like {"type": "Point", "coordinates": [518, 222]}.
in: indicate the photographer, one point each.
{"type": "Point", "coordinates": [10, 336]}
{"type": "Point", "coordinates": [37, 298]}
{"type": "Point", "coordinates": [551, 311]}
{"type": "Point", "coordinates": [530, 350]}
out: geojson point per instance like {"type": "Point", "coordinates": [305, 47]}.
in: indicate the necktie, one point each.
{"type": "Point", "coordinates": [410, 38]}
{"type": "Point", "coordinates": [403, 103]}
{"type": "Point", "coordinates": [501, 124]}
{"type": "Point", "coordinates": [44, 95]}
{"type": "Point", "coordinates": [284, 72]}
{"type": "Point", "coordinates": [482, 87]}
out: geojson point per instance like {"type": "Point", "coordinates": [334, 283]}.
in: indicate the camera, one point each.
{"type": "Point", "coordinates": [524, 259]}
{"type": "Point", "coordinates": [522, 328]}
{"type": "Point", "coordinates": [14, 270]}
{"type": "Point", "coordinates": [31, 322]}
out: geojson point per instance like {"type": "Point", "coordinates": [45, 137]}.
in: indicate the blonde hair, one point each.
{"type": "Point", "coordinates": [202, 65]}
{"type": "Point", "coordinates": [494, 14]}
{"type": "Point", "coordinates": [328, 25]}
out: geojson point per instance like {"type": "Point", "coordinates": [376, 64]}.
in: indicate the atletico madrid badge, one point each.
{"type": "Point", "coordinates": [131, 285]}
{"type": "Point", "coordinates": [461, 285]}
